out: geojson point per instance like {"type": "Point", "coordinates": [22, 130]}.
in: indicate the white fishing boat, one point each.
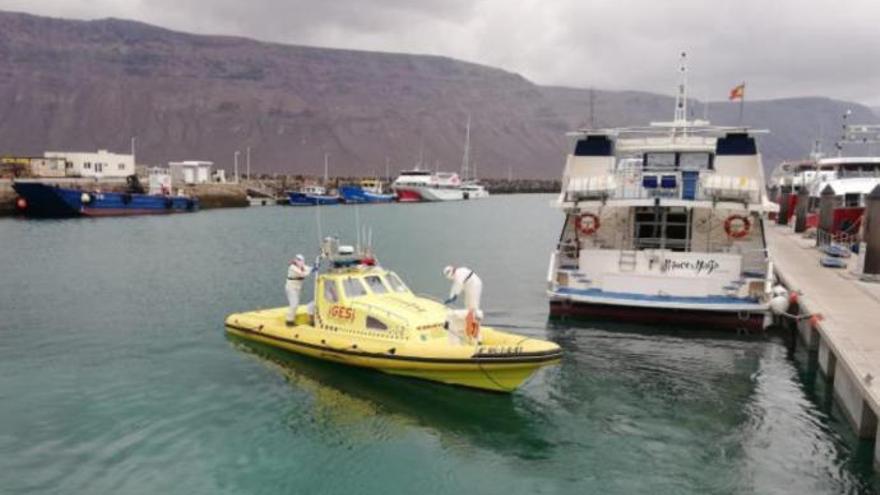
{"type": "Point", "coordinates": [664, 224]}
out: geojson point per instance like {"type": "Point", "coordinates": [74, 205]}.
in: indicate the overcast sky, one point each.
{"type": "Point", "coordinates": [779, 47]}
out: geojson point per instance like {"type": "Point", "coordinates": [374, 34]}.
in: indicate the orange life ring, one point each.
{"type": "Point", "coordinates": [471, 325]}
{"type": "Point", "coordinates": [740, 231]}
{"type": "Point", "coordinates": [587, 224]}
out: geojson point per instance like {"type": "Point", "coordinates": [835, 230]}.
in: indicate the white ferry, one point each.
{"type": "Point", "coordinates": [424, 185]}
{"type": "Point", "coordinates": [664, 224]}
{"type": "Point", "coordinates": [851, 179]}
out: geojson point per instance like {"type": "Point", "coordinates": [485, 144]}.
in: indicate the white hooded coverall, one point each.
{"type": "Point", "coordinates": [465, 280]}
{"type": "Point", "coordinates": [296, 274]}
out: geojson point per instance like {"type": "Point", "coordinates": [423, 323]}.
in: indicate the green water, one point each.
{"type": "Point", "coordinates": [116, 376]}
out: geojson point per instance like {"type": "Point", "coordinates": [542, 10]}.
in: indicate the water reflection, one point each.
{"type": "Point", "coordinates": [348, 397]}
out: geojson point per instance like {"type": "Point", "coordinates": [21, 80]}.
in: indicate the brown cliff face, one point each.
{"type": "Point", "coordinates": [93, 84]}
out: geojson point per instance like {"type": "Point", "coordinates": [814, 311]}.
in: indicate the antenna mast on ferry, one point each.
{"type": "Point", "coordinates": [680, 119]}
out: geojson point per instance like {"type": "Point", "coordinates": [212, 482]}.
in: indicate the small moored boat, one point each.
{"type": "Point", "coordinates": [366, 316]}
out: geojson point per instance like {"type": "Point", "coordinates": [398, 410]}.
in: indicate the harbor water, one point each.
{"type": "Point", "coordinates": [116, 375]}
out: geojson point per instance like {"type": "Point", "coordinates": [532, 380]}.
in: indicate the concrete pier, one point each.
{"type": "Point", "coordinates": [847, 336]}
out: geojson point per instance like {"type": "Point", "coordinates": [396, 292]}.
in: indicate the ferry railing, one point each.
{"type": "Point", "coordinates": [650, 184]}
{"type": "Point", "coordinates": [842, 239]}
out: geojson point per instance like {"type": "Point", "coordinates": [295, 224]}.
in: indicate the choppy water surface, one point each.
{"type": "Point", "coordinates": [116, 376]}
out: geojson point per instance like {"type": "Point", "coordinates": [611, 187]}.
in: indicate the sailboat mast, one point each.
{"type": "Point", "coordinates": [326, 161]}
{"type": "Point", "coordinates": [465, 160]}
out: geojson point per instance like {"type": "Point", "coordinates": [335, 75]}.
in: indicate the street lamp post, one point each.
{"type": "Point", "coordinates": [235, 159]}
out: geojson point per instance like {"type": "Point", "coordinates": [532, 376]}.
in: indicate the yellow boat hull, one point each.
{"type": "Point", "coordinates": [501, 362]}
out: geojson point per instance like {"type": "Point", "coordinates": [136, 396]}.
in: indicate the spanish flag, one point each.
{"type": "Point", "coordinates": [738, 93]}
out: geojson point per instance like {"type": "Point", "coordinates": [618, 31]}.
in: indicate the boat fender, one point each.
{"type": "Point", "coordinates": [792, 297]}
{"type": "Point", "coordinates": [169, 202]}
{"type": "Point", "coordinates": [587, 223]}
{"type": "Point", "coordinates": [21, 203]}
{"type": "Point", "coordinates": [126, 198]}
{"type": "Point", "coordinates": [737, 226]}
{"type": "Point", "coordinates": [471, 325]}
{"type": "Point", "coordinates": [190, 204]}
{"type": "Point", "coordinates": [86, 198]}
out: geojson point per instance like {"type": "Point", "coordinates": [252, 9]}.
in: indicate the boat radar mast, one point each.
{"type": "Point", "coordinates": [680, 122]}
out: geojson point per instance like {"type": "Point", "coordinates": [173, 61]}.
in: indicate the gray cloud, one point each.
{"type": "Point", "coordinates": [780, 48]}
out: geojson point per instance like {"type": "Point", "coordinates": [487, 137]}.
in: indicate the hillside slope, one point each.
{"type": "Point", "coordinates": [83, 85]}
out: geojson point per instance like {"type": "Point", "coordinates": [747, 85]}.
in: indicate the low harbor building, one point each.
{"type": "Point", "coordinates": [190, 172]}
{"type": "Point", "coordinates": [100, 164]}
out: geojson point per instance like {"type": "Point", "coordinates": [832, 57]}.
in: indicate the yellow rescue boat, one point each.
{"type": "Point", "coordinates": [366, 316]}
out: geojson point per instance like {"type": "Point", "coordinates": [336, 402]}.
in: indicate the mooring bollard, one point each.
{"type": "Point", "coordinates": [871, 231]}
{"type": "Point", "coordinates": [800, 210]}
{"type": "Point", "coordinates": [826, 214]}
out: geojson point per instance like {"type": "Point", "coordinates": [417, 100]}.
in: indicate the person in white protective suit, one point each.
{"type": "Point", "coordinates": [297, 272]}
{"type": "Point", "coordinates": [465, 280]}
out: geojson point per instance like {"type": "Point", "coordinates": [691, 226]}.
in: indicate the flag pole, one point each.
{"type": "Point", "coordinates": [742, 103]}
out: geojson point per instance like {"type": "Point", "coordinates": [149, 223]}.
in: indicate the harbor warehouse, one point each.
{"type": "Point", "coordinates": [99, 164]}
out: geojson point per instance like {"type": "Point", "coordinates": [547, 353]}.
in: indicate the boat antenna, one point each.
{"type": "Point", "coordinates": [357, 225]}
{"type": "Point", "coordinates": [844, 132]}
{"type": "Point", "coordinates": [680, 118]}
{"type": "Point", "coordinates": [706, 108]}
{"type": "Point", "coordinates": [592, 109]}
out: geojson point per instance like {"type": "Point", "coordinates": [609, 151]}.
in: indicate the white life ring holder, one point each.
{"type": "Point", "coordinates": [587, 223]}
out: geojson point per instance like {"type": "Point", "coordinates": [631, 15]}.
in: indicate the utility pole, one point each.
{"type": "Point", "coordinates": [248, 160]}
{"type": "Point", "coordinates": [235, 159]}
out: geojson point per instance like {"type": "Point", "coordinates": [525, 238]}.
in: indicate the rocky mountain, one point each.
{"type": "Point", "coordinates": [80, 85]}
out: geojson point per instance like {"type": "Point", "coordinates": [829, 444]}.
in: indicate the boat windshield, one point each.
{"type": "Point", "coordinates": [376, 285]}
{"type": "Point", "coordinates": [395, 282]}
{"type": "Point", "coordinates": [330, 294]}
{"type": "Point", "coordinates": [353, 288]}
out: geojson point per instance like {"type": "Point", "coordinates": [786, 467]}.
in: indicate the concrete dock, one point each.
{"type": "Point", "coordinates": [846, 336]}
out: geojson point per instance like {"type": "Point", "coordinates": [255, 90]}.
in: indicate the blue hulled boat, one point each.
{"type": "Point", "coordinates": [369, 191]}
{"type": "Point", "coordinates": [312, 196]}
{"type": "Point", "coordinates": [43, 200]}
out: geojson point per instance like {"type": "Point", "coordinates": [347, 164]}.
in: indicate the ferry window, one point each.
{"type": "Point", "coordinates": [661, 161]}
{"type": "Point", "coordinates": [353, 287]}
{"type": "Point", "coordinates": [87, 165]}
{"type": "Point", "coordinates": [826, 168]}
{"type": "Point", "coordinates": [395, 283]}
{"type": "Point", "coordinates": [374, 324]}
{"type": "Point", "coordinates": [852, 200]}
{"type": "Point", "coordinates": [695, 161]}
{"type": "Point", "coordinates": [376, 284]}
{"type": "Point", "coordinates": [330, 293]}
{"type": "Point", "coordinates": [121, 166]}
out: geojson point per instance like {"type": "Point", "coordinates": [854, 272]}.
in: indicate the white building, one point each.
{"type": "Point", "coordinates": [190, 172]}
{"type": "Point", "coordinates": [100, 164]}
